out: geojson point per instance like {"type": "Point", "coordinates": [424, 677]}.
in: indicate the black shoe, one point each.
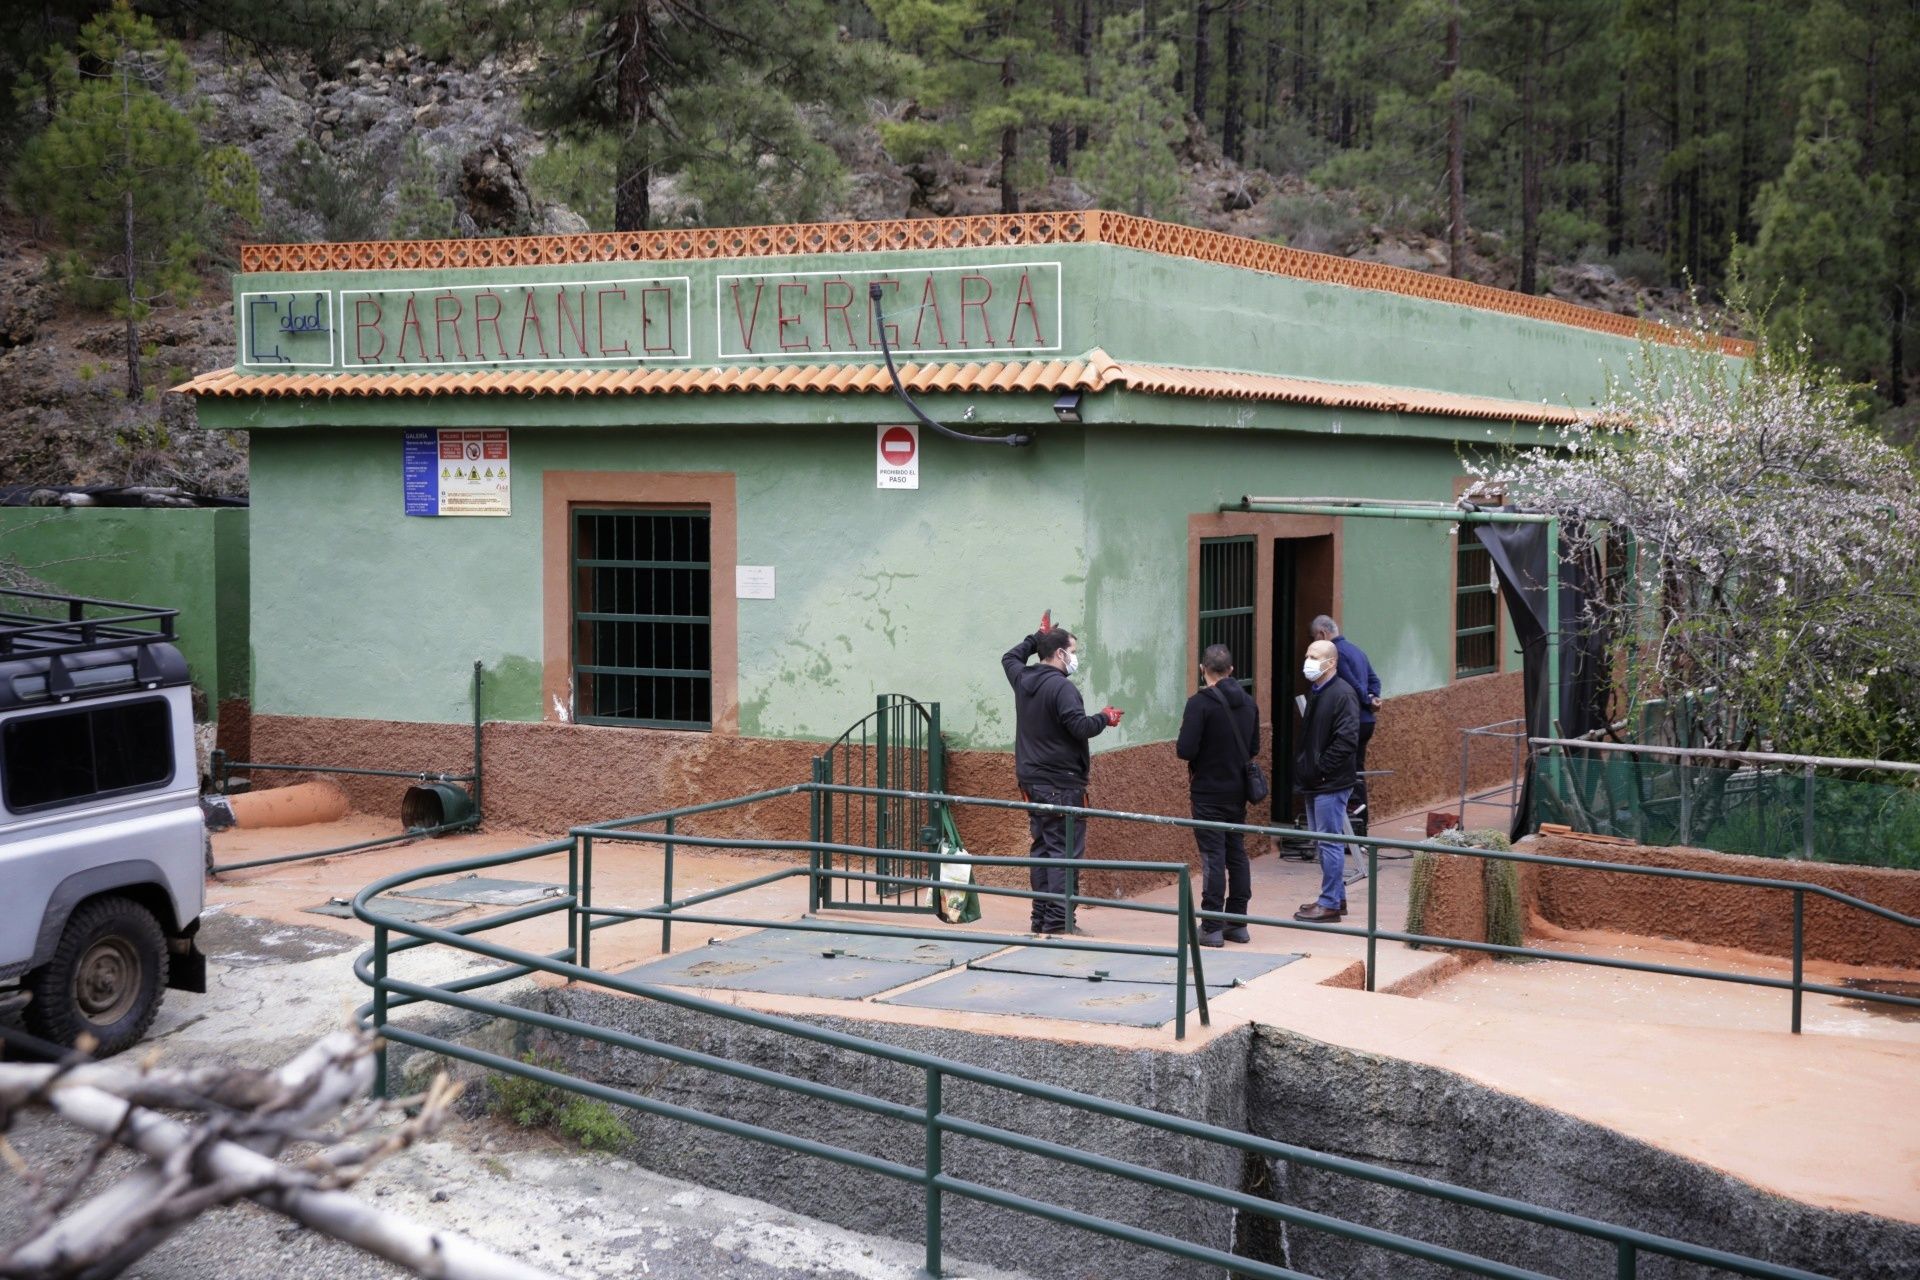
{"type": "Point", "coordinates": [1237, 933]}
{"type": "Point", "coordinates": [1314, 913]}
{"type": "Point", "coordinates": [1212, 938]}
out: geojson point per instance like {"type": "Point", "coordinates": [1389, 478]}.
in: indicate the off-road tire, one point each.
{"type": "Point", "coordinates": [105, 979]}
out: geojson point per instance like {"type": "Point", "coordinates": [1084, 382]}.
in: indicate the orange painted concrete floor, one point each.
{"type": "Point", "coordinates": [1706, 1070]}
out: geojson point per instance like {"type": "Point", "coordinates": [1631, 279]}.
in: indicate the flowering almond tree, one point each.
{"type": "Point", "coordinates": [1762, 548]}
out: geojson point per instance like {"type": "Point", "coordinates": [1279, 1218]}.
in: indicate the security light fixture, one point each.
{"type": "Point", "coordinates": [1067, 407]}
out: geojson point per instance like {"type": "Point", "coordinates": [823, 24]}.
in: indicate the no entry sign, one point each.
{"type": "Point", "coordinates": [898, 460]}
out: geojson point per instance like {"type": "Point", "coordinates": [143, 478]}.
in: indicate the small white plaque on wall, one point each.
{"type": "Point", "coordinates": [753, 582]}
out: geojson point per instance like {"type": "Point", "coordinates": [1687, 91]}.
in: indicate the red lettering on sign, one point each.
{"type": "Point", "coordinates": [930, 306]}
{"type": "Point", "coordinates": [530, 316]}
{"type": "Point", "coordinates": [441, 320]}
{"type": "Point", "coordinates": [575, 320]}
{"type": "Point", "coordinates": [481, 320]}
{"type": "Point", "coordinates": [979, 304]}
{"type": "Point", "coordinates": [827, 304]}
{"type": "Point", "coordinates": [410, 319]}
{"type": "Point", "coordinates": [646, 318]}
{"type": "Point", "coordinates": [1023, 297]}
{"type": "Point", "coordinates": [360, 326]}
{"type": "Point", "coordinates": [747, 325]}
{"type": "Point", "coordinates": [787, 318]}
{"type": "Point", "coordinates": [600, 319]}
{"type": "Point", "coordinates": [873, 313]}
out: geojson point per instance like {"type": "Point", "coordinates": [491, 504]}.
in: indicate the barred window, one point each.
{"type": "Point", "coordinates": [642, 630]}
{"type": "Point", "coordinates": [1227, 600]}
{"type": "Point", "coordinates": [1476, 610]}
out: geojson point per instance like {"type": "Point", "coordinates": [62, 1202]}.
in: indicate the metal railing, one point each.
{"type": "Point", "coordinates": [930, 1119]}
{"type": "Point", "coordinates": [820, 872]}
{"type": "Point", "coordinates": [1767, 804]}
{"type": "Point", "coordinates": [1507, 794]}
{"type": "Point", "coordinates": [223, 768]}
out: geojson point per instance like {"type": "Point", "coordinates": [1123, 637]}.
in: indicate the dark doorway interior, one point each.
{"type": "Point", "coordinates": [1302, 589]}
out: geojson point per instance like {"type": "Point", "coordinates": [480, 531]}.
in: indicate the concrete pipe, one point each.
{"type": "Point", "coordinates": [294, 806]}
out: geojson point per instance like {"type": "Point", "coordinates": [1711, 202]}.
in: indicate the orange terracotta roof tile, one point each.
{"type": "Point", "coordinates": [1096, 371]}
{"type": "Point", "coordinates": [983, 230]}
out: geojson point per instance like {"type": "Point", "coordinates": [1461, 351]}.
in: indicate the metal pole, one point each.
{"type": "Point", "coordinates": [478, 809]}
{"type": "Point", "coordinates": [1452, 515]}
{"type": "Point", "coordinates": [813, 835]}
{"type": "Point", "coordinates": [1180, 961]}
{"type": "Point", "coordinates": [1806, 815]}
{"type": "Point", "coordinates": [666, 920]}
{"type": "Point", "coordinates": [573, 891]}
{"type": "Point", "coordinates": [380, 1010]}
{"type": "Point", "coordinates": [1686, 803]}
{"type": "Point", "coordinates": [1373, 912]}
{"type": "Point", "coordinates": [1066, 899]}
{"type": "Point", "coordinates": [1799, 951]}
{"type": "Point", "coordinates": [933, 1164]}
{"type": "Point", "coordinates": [880, 762]}
{"type": "Point", "coordinates": [1553, 624]}
{"type": "Point", "coordinates": [1626, 1261]}
{"type": "Point", "coordinates": [586, 902]}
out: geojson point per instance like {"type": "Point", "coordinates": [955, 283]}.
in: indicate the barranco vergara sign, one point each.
{"type": "Point", "coordinates": [989, 309]}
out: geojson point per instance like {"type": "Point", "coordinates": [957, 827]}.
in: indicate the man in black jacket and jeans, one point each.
{"type": "Point", "coordinates": [1050, 757]}
{"type": "Point", "coordinates": [1324, 770]}
{"type": "Point", "coordinates": [1219, 734]}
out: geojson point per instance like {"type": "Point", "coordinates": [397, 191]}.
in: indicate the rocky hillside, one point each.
{"type": "Point", "coordinates": [340, 158]}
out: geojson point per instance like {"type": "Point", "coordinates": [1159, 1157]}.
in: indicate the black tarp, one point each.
{"type": "Point", "coordinates": [1519, 554]}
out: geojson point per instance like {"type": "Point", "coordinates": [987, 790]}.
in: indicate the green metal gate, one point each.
{"type": "Point", "coordinates": [897, 746]}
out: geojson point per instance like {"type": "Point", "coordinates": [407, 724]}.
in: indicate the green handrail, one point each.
{"type": "Point", "coordinates": [371, 967]}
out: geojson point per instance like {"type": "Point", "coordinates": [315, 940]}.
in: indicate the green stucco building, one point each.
{"type": "Point", "coordinates": [646, 481]}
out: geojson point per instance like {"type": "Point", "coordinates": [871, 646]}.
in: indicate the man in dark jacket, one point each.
{"type": "Point", "coordinates": [1357, 671]}
{"type": "Point", "coordinates": [1324, 771]}
{"type": "Point", "coordinates": [1219, 734]}
{"type": "Point", "coordinates": [1050, 757]}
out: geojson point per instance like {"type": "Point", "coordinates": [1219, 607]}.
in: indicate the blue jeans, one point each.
{"type": "Point", "coordinates": [1327, 811]}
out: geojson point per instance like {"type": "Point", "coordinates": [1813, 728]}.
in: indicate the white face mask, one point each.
{"type": "Point", "coordinates": [1073, 662]}
{"type": "Point", "coordinates": [1311, 670]}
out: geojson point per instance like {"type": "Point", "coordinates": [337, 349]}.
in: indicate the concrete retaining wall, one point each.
{"type": "Point", "coordinates": [1436, 1124]}
{"type": "Point", "coordinates": [1416, 1118]}
{"type": "Point", "coordinates": [1207, 1085]}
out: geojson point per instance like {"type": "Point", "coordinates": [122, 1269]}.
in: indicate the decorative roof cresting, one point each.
{"type": "Point", "coordinates": [980, 231]}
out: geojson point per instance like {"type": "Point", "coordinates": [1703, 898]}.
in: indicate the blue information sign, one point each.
{"type": "Point", "coordinates": [421, 482]}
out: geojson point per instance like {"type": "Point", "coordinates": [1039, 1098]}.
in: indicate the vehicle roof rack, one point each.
{"type": "Point", "coordinates": [88, 626]}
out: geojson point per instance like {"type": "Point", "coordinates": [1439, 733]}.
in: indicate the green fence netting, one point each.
{"type": "Point", "coordinates": [1750, 809]}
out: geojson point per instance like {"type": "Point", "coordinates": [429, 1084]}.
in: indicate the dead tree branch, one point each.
{"type": "Point", "coordinates": [239, 1121]}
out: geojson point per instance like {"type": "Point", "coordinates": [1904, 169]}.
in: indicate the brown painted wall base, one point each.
{"type": "Point", "coordinates": [545, 777]}
{"type": "Point", "coordinates": [1418, 737]}
{"type": "Point", "coordinates": [1758, 920]}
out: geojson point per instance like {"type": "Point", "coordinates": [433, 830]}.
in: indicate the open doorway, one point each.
{"type": "Point", "coordinates": [1303, 582]}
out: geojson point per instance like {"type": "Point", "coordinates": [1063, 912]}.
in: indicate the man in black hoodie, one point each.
{"type": "Point", "coordinates": [1324, 770]}
{"type": "Point", "coordinates": [1050, 757]}
{"type": "Point", "coordinates": [1219, 734]}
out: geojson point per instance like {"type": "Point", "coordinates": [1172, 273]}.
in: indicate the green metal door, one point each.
{"type": "Point", "coordinates": [897, 747]}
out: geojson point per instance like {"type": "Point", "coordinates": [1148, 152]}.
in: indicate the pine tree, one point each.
{"type": "Point", "coordinates": [1821, 251]}
{"type": "Point", "coordinates": [422, 210]}
{"type": "Point", "coordinates": [122, 175]}
{"type": "Point", "coordinates": [1132, 165]}
{"type": "Point", "coordinates": [991, 73]}
{"type": "Point", "coordinates": [728, 96]}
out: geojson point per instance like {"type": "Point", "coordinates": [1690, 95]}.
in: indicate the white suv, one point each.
{"type": "Point", "coordinates": [102, 843]}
